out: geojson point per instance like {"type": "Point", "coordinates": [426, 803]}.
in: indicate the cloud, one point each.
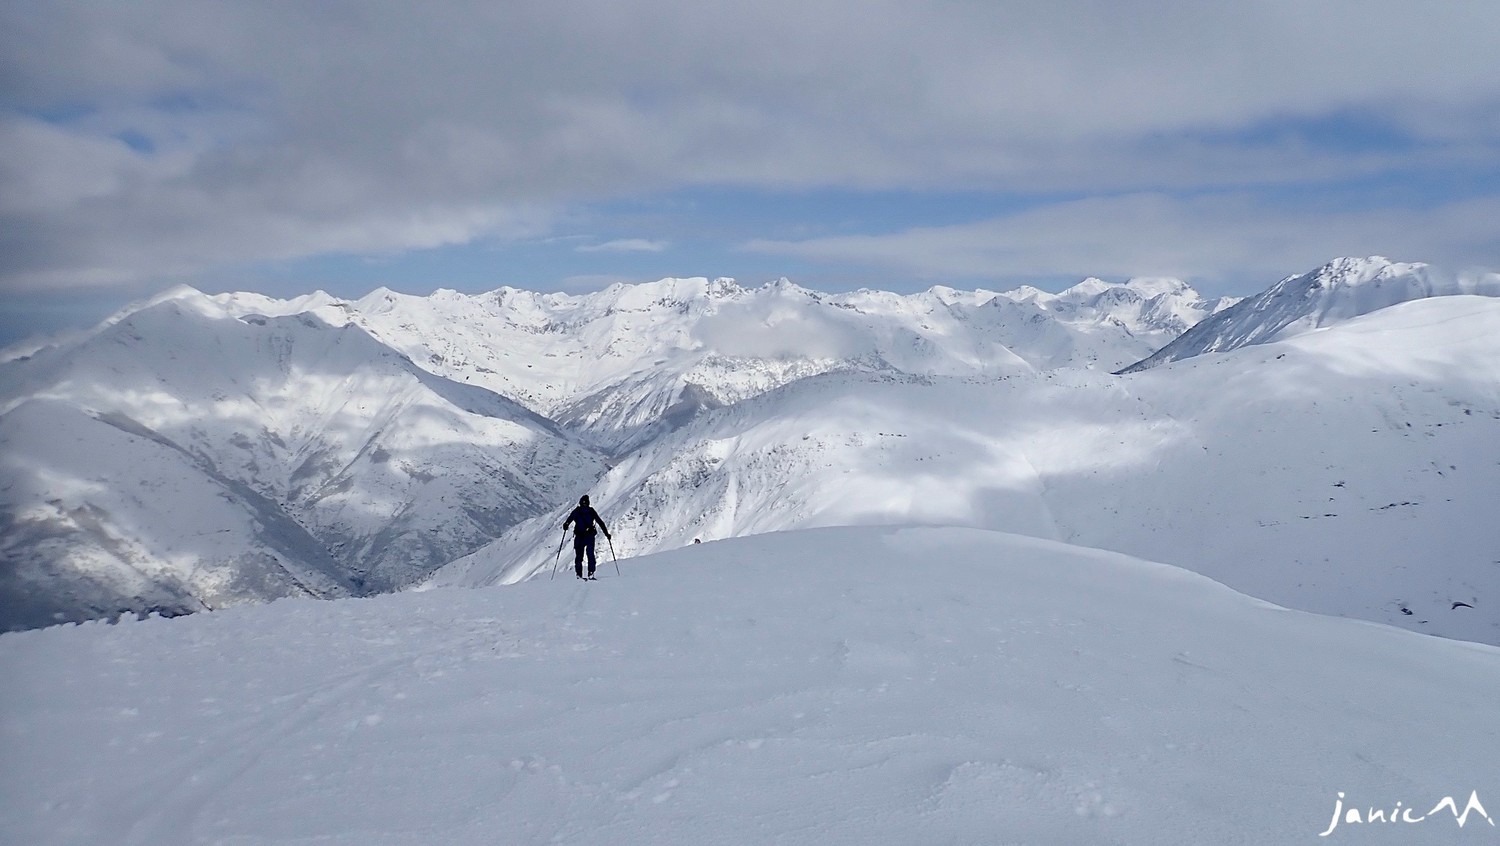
{"type": "Point", "coordinates": [1215, 237]}
{"type": "Point", "coordinates": [775, 328]}
{"type": "Point", "coordinates": [624, 245]}
{"type": "Point", "coordinates": [274, 131]}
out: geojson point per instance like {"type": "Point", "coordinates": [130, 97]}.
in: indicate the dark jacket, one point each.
{"type": "Point", "coordinates": [583, 519]}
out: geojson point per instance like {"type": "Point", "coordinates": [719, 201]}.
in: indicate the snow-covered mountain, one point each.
{"type": "Point", "coordinates": [623, 365]}
{"type": "Point", "coordinates": [894, 670]}
{"type": "Point", "coordinates": [1340, 290]}
{"type": "Point", "coordinates": [911, 686]}
{"type": "Point", "coordinates": [200, 451]}
{"type": "Point", "coordinates": [237, 448]}
{"type": "Point", "coordinates": [1349, 472]}
{"type": "Point", "coordinates": [185, 457]}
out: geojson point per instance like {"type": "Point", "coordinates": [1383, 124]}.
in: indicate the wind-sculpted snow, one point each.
{"type": "Point", "coordinates": [341, 459]}
{"type": "Point", "coordinates": [1351, 472]}
{"type": "Point", "coordinates": [1341, 290]}
{"type": "Point", "coordinates": [853, 685]}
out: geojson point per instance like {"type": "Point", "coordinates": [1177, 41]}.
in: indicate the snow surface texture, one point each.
{"type": "Point", "coordinates": [1352, 471]}
{"type": "Point", "coordinates": [197, 452]}
{"type": "Point", "coordinates": [836, 686]}
{"type": "Point", "coordinates": [1338, 291]}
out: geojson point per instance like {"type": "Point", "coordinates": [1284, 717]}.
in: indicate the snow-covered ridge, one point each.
{"type": "Point", "coordinates": [836, 686]}
{"type": "Point", "coordinates": [1340, 290]}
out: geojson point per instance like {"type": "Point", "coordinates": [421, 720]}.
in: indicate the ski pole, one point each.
{"type": "Point", "coordinates": [558, 556]}
{"type": "Point", "coordinates": [611, 539]}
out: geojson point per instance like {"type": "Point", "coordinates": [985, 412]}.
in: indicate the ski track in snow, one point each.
{"type": "Point", "coordinates": [175, 799]}
{"type": "Point", "coordinates": [831, 686]}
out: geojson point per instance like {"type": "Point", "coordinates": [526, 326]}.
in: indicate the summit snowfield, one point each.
{"type": "Point", "coordinates": [862, 686]}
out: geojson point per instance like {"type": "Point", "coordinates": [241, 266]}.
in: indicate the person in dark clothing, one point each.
{"type": "Point", "coordinates": [583, 520]}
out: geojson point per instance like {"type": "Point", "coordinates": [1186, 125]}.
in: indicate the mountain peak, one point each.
{"type": "Point", "coordinates": [1340, 290]}
{"type": "Point", "coordinates": [1086, 288]}
{"type": "Point", "coordinates": [176, 292]}
{"type": "Point", "coordinates": [724, 286]}
{"type": "Point", "coordinates": [1028, 293]}
{"type": "Point", "coordinates": [1353, 270]}
{"type": "Point", "coordinates": [1092, 287]}
{"type": "Point", "coordinates": [378, 301]}
{"type": "Point", "coordinates": [1155, 286]}
{"type": "Point", "coordinates": [784, 285]}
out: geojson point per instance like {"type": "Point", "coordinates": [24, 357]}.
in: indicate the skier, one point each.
{"type": "Point", "coordinates": [583, 519]}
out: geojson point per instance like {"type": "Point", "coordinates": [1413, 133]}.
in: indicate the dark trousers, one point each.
{"type": "Point", "coordinates": [582, 544]}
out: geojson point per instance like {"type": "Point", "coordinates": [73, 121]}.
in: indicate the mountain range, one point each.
{"type": "Point", "coordinates": [202, 451]}
{"type": "Point", "coordinates": [620, 366]}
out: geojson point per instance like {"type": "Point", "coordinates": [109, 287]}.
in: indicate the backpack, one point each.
{"type": "Point", "coordinates": [583, 522]}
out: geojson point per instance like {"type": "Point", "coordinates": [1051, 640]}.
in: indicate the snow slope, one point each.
{"type": "Point", "coordinates": [182, 458]}
{"type": "Point", "coordinates": [1352, 471]}
{"type": "Point", "coordinates": [1340, 290]}
{"type": "Point", "coordinates": [99, 515]}
{"type": "Point", "coordinates": [836, 686]}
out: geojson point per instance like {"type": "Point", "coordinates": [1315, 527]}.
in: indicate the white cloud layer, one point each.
{"type": "Point", "coordinates": [1216, 237]}
{"type": "Point", "coordinates": [624, 245]}
{"type": "Point", "coordinates": [165, 137]}
{"type": "Point", "coordinates": [773, 329]}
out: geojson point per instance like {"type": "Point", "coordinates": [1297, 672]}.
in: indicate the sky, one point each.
{"type": "Point", "coordinates": [344, 146]}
